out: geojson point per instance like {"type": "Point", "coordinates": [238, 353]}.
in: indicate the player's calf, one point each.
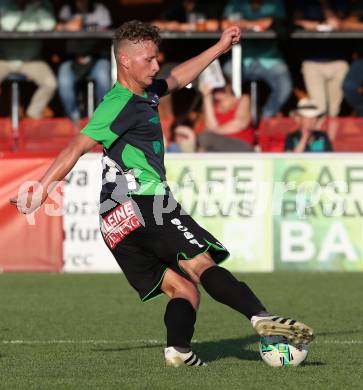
{"type": "Point", "coordinates": [221, 285]}
{"type": "Point", "coordinates": [179, 319]}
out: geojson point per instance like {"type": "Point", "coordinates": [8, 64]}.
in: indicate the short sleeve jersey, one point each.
{"type": "Point", "coordinates": [128, 126]}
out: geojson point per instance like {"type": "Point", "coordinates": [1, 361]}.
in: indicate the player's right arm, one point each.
{"type": "Point", "coordinates": [187, 71]}
{"type": "Point", "coordinates": [28, 201]}
{"type": "Point", "coordinates": [98, 130]}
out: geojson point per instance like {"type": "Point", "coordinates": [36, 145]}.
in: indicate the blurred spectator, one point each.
{"type": "Point", "coordinates": [182, 138]}
{"type": "Point", "coordinates": [352, 85]}
{"type": "Point", "coordinates": [262, 59]}
{"type": "Point", "coordinates": [88, 58]}
{"type": "Point", "coordinates": [307, 138]}
{"type": "Point", "coordinates": [324, 66]}
{"type": "Point", "coordinates": [188, 15]}
{"type": "Point", "coordinates": [24, 56]}
{"type": "Point", "coordinates": [227, 121]}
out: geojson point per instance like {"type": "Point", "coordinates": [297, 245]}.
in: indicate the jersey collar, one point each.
{"type": "Point", "coordinates": [123, 88]}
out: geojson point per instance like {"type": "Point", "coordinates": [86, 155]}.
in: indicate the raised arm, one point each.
{"type": "Point", "coordinates": [240, 121]}
{"type": "Point", "coordinates": [300, 147]}
{"type": "Point", "coordinates": [183, 74]}
{"type": "Point", "coordinates": [210, 119]}
{"type": "Point", "coordinates": [29, 201]}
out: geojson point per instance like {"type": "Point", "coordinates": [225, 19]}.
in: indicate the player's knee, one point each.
{"type": "Point", "coordinates": [184, 289]}
{"type": "Point", "coordinates": [196, 266]}
{"type": "Point", "coordinates": [189, 291]}
{"type": "Point", "coordinates": [176, 286]}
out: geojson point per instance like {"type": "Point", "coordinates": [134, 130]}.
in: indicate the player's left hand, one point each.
{"type": "Point", "coordinates": [230, 37]}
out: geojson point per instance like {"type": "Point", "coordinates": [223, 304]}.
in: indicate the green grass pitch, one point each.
{"type": "Point", "coordinates": [63, 331]}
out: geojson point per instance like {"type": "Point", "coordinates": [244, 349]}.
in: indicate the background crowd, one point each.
{"type": "Point", "coordinates": [309, 79]}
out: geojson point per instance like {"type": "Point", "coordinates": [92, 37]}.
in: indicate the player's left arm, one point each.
{"type": "Point", "coordinates": [183, 74]}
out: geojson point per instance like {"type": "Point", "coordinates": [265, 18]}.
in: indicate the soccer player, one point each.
{"type": "Point", "coordinates": [159, 247]}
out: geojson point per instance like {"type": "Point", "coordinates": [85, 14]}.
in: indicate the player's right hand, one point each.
{"type": "Point", "coordinates": [229, 37]}
{"type": "Point", "coordinates": [28, 201]}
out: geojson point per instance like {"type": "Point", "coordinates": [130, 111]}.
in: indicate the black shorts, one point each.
{"type": "Point", "coordinates": [149, 234]}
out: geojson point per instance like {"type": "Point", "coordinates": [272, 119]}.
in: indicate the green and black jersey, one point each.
{"type": "Point", "coordinates": [128, 126]}
{"type": "Point", "coordinates": [145, 234]}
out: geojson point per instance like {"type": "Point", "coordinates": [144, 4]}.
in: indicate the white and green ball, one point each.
{"type": "Point", "coordinates": [276, 351]}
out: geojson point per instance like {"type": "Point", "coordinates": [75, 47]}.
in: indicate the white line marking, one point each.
{"type": "Point", "coordinates": [31, 342]}
{"type": "Point", "coordinates": [146, 342]}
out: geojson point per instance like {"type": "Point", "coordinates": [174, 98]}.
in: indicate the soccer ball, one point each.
{"type": "Point", "coordinates": [276, 351]}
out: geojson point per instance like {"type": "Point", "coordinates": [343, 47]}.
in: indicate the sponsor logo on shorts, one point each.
{"type": "Point", "coordinates": [189, 236]}
{"type": "Point", "coordinates": [120, 222]}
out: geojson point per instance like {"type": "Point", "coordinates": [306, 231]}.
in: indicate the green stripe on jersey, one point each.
{"type": "Point", "coordinates": [155, 120]}
{"type": "Point", "coordinates": [112, 104]}
{"type": "Point", "coordinates": [150, 181]}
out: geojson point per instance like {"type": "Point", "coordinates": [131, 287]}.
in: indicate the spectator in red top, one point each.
{"type": "Point", "coordinates": [227, 121]}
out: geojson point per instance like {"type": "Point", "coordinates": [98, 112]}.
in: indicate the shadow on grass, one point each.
{"type": "Point", "coordinates": [128, 348]}
{"type": "Point", "coordinates": [210, 350]}
{"type": "Point", "coordinates": [220, 349]}
{"type": "Point", "coordinates": [213, 350]}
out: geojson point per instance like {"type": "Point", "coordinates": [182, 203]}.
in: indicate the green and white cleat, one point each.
{"type": "Point", "coordinates": [294, 331]}
{"type": "Point", "coordinates": [175, 358]}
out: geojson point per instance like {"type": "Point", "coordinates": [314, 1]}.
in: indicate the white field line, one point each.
{"type": "Point", "coordinates": [145, 342]}
{"type": "Point", "coordinates": [55, 341]}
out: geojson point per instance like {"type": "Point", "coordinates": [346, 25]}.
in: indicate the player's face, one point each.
{"type": "Point", "coordinates": [143, 62]}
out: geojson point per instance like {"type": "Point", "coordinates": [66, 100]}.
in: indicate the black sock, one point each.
{"type": "Point", "coordinates": [179, 319]}
{"type": "Point", "coordinates": [221, 285]}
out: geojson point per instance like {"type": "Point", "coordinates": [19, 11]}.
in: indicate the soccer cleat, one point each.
{"type": "Point", "coordinates": [294, 331]}
{"type": "Point", "coordinates": [175, 358]}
